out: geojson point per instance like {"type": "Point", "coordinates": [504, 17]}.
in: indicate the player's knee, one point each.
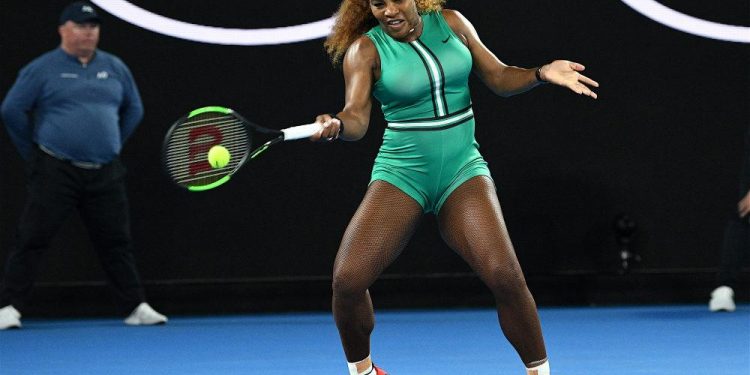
{"type": "Point", "coordinates": [505, 281]}
{"type": "Point", "coordinates": [347, 284]}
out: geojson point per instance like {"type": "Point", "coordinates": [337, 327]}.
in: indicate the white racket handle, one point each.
{"type": "Point", "coordinates": [301, 131]}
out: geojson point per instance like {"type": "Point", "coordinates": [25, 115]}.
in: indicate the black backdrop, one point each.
{"type": "Point", "coordinates": [662, 144]}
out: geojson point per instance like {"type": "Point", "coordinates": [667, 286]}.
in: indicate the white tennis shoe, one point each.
{"type": "Point", "coordinates": [144, 315]}
{"type": "Point", "coordinates": [9, 317]}
{"type": "Point", "coordinates": [722, 299]}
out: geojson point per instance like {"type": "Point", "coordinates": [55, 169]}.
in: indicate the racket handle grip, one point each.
{"type": "Point", "coordinates": [301, 131]}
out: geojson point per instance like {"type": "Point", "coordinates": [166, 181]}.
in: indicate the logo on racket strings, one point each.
{"type": "Point", "coordinates": [198, 150]}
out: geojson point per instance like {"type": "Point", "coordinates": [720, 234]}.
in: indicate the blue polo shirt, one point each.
{"type": "Point", "coordinates": [79, 112]}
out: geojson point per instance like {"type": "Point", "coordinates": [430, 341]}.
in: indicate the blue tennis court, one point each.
{"type": "Point", "coordinates": [660, 340]}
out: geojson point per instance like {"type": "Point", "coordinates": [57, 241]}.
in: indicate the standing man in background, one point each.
{"type": "Point", "coordinates": [736, 245]}
{"type": "Point", "coordinates": [69, 113]}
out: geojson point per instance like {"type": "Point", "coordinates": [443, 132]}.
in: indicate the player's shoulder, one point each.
{"type": "Point", "coordinates": [362, 49]}
{"type": "Point", "coordinates": [450, 13]}
{"type": "Point", "coordinates": [363, 44]}
{"type": "Point", "coordinates": [453, 17]}
{"type": "Point", "coordinates": [458, 23]}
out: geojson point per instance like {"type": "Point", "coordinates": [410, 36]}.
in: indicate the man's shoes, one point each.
{"type": "Point", "coordinates": [722, 299]}
{"type": "Point", "coordinates": [144, 315]}
{"type": "Point", "coordinates": [378, 370]}
{"type": "Point", "coordinates": [9, 318]}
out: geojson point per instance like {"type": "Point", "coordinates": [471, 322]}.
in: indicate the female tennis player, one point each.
{"type": "Point", "coordinates": [415, 57]}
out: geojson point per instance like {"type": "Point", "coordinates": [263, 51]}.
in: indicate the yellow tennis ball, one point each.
{"type": "Point", "coordinates": [218, 156]}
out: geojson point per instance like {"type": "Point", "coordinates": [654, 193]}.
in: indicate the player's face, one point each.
{"type": "Point", "coordinates": [399, 18]}
{"type": "Point", "coordinates": [80, 39]}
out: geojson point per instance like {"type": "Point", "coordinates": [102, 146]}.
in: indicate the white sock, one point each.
{"type": "Point", "coordinates": [353, 367]}
{"type": "Point", "coordinates": [542, 369]}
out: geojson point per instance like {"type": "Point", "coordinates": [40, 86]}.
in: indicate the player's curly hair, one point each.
{"type": "Point", "coordinates": [354, 19]}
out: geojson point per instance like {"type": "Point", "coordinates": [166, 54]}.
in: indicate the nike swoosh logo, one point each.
{"type": "Point", "coordinates": [446, 39]}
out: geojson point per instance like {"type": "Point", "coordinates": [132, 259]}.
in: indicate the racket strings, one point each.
{"type": "Point", "coordinates": [234, 127]}
{"type": "Point", "coordinates": [186, 151]}
{"type": "Point", "coordinates": [211, 120]}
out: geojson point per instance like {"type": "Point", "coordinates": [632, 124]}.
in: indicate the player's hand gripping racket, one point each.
{"type": "Point", "coordinates": [187, 144]}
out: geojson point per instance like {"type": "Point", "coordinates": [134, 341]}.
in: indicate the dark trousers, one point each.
{"type": "Point", "coordinates": [736, 245]}
{"type": "Point", "coordinates": [55, 189]}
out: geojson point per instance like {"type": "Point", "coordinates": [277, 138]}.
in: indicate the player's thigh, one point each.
{"type": "Point", "coordinates": [472, 224]}
{"type": "Point", "coordinates": [378, 231]}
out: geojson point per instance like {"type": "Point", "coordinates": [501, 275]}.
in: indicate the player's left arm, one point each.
{"type": "Point", "coordinates": [505, 80]}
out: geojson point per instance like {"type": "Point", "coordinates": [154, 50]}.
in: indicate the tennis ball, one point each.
{"type": "Point", "coordinates": [218, 156]}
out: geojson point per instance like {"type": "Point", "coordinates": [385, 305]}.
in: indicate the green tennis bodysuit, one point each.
{"type": "Point", "coordinates": [428, 147]}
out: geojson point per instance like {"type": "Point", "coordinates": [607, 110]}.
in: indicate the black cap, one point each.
{"type": "Point", "coordinates": [79, 12]}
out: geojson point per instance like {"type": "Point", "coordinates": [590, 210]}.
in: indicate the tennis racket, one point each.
{"type": "Point", "coordinates": [186, 145]}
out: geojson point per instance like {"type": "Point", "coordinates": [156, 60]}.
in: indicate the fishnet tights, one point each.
{"type": "Point", "coordinates": [376, 235]}
{"type": "Point", "coordinates": [471, 223]}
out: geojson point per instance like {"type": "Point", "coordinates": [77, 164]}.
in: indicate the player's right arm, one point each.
{"type": "Point", "coordinates": [360, 64]}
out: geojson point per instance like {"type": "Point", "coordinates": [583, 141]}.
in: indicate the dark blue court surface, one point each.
{"type": "Point", "coordinates": [614, 341]}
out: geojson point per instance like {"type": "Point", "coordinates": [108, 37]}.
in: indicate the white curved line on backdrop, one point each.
{"type": "Point", "coordinates": [216, 35]}
{"type": "Point", "coordinates": [319, 29]}
{"type": "Point", "coordinates": [689, 24]}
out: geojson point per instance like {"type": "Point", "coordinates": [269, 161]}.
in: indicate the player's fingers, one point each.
{"type": "Point", "coordinates": [576, 66]}
{"type": "Point", "coordinates": [582, 89]}
{"type": "Point", "coordinates": [329, 128]}
{"type": "Point", "coordinates": [336, 127]}
{"type": "Point", "coordinates": [329, 131]}
{"type": "Point", "coordinates": [320, 120]}
{"type": "Point", "coordinates": [587, 80]}
{"type": "Point", "coordinates": [588, 92]}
